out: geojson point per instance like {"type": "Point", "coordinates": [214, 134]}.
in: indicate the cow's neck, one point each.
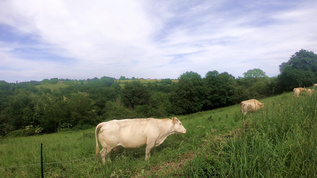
{"type": "Point", "coordinates": [165, 129]}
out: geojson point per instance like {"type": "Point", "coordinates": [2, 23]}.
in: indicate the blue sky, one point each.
{"type": "Point", "coordinates": [81, 39]}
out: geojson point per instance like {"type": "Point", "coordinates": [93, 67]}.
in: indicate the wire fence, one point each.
{"type": "Point", "coordinates": [48, 163]}
{"type": "Point", "coordinates": [45, 167]}
{"type": "Point", "coordinates": [83, 159]}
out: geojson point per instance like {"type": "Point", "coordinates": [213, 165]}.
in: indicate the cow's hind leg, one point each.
{"type": "Point", "coordinates": [103, 153]}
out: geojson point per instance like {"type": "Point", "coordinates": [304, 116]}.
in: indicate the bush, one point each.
{"type": "Point", "coordinates": [114, 110]}
{"type": "Point", "coordinates": [27, 131]}
{"type": "Point", "coordinates": [17, 133]}
{"type": "Point", "coordinates": [82, 126]}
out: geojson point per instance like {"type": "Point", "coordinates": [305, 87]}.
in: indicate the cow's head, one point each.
{"type": "Point", "coordinates": [178, 126]}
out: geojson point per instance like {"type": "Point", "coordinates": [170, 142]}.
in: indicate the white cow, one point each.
{"type": "Point", "coordinates": [310, 91]}
{"type": "Point", "coordinates": [250, 105]}
{"type": "Point", "coordinates": [133, 133]}
{"type": "Point", "coordinates": [296, 92]}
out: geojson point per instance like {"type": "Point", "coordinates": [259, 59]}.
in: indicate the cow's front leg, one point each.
{"type": "Point", "coordinates": [148, 151]}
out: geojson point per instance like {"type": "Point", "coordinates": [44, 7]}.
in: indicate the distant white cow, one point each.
{"type": "Point", "coordinates": [133, 133]}
{"type": "Point", "coordinates": [296, 92]}
{"type": "Point", "coordinates": [250, 105]}
{"type": "Point", "coordinates": [310, 91]}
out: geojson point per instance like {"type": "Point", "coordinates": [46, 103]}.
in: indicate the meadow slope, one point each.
{"type": "Point", "coordinates": [279, 140]}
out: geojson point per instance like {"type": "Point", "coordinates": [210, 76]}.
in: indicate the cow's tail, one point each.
{"type": "Point", "coordinates": [96, 136]}
{"type": "Point", "coordinates": [241, 107]}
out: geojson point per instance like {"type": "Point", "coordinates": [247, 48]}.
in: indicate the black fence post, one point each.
{"type": "Point", "coordinates": [42, 175]}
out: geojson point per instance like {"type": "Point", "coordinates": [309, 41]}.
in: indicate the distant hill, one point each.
{"type": "Point", "coordinates": [52, 86]}
{"type": "Point", "coordinates": [62, 84]}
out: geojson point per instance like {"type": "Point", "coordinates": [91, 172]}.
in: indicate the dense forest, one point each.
{"type": "Point", "coordinates": [52, 105]}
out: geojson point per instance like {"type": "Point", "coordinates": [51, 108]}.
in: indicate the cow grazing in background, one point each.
{"type": "Point", "coordinates": [250, 105]}
{"type": "Point", "coordinates": [310, 91]}
{"type": "Point", "coordinates": [133, 133]}
{"type": "Point", "coordinates": [297, 91]}
{"type": "Point", "coordinates": [315, 85]}
{"type": "Point", "coordinates": [301, 89]}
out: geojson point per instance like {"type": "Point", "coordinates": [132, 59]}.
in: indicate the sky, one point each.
{"type": "Point", "coordinates": [157, 39]}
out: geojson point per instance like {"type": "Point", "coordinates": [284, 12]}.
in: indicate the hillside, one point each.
{"type": "Point", "coordinates": [52, 86]}
{"type": "Point", "coordinates": [61, 84]}
{"type": "Point", "coordinates": [277, 141]}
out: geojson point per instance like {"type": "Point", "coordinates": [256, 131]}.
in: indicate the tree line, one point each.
{"type": "Point", "coordinates": [29, 108]}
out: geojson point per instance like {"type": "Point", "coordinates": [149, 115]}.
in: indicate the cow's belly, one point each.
{"type": "Point", "coordinates": [132, 140]}
{"type": "Point", "coordinates": [127, 140]}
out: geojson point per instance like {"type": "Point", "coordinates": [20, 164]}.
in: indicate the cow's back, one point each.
{"type": "Point", "coordinates": [129, 133]}
{"type": "Point", "coordinates": [250, 105]}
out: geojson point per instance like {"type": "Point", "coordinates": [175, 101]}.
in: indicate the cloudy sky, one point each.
{"type": "Point", "coordinates": [81, 39]}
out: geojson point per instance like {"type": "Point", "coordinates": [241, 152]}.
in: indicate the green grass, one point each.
{"type": "Point", "coordinates": [279, 140]}
{"type": "Point", "coordinates": [143, 81]}
{"type": "Point", "coordinates": [52, 86]}
{"type": "Point", "coordinates": [122, 83]}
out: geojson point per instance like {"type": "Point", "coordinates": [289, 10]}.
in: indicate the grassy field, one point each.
{"type": "Point", "coordinates": [277, 141]}
{"type": "Point", "coordinates": [52, 86]}
{"type": "Point", "coordinates": [144, 81]}
{"type": "Point", "coordinates": [122, 83]}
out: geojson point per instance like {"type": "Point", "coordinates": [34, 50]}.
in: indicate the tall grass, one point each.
{"type": "Point", "coordinates": [277, 141]}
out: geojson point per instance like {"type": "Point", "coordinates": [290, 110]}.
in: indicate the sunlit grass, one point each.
{"type": "Point", "coordinates": [52, 86]}
{"type": "Point", "coordinates": [279, 140]}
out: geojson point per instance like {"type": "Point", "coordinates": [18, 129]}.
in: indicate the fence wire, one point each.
{"type": "Point", "coordinates": [62, 162]}
{"type": "Point", "coordinates": [48, 163]}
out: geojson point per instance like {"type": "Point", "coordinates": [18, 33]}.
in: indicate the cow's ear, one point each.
{"type": "Point", "coordinates": [174, 120]}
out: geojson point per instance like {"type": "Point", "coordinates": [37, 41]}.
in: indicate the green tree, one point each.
{"type": "Point", "coordinates": [135, 93]}
{"type": "Point", "coordinates": [5, 93]}
{"type": "Point", "coordinates": [188, 94]}
{"type": "Point", "coordinates": [81, 109]}
{"type": "Point", "coordinates": [220, 90]}
{"type": "Point", "coordinates": [160, 104]}
{"type": "Point", "coordinates": [255, 84]}
{"type": "Point", "coordinates": [20, 109]}
{"type": "Point", "coordinates": [254, 73]}
{"type": "Point", "coordinates": [115, 110]}
{"type": "Point", "coordinates": [123, 78]}
{"type": "Point", "coordinates": [5, 125]}
{"type": "Point", "coordinates": [49, 111]}
{"type": "Point", "coordinates": [300, 70]}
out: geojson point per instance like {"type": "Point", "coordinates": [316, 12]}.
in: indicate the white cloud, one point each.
{"type": "Point", "coordinates": [150, 39]}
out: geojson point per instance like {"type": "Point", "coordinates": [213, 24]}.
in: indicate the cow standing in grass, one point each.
{"type": "Point", "coordinates": [310, 91]}
{"type": "Point", "coordinates": [133, 133]}
{"type": "Point", "coordinates": [250, 105]}
{"type": "Point", "coordinates": [297, 91]}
